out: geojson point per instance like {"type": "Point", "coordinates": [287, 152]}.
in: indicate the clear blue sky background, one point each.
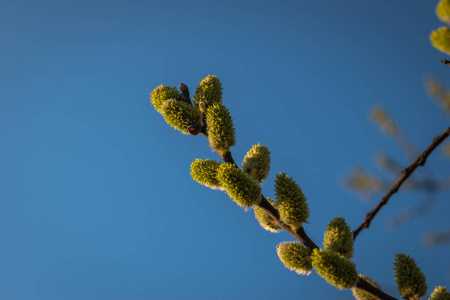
{"type": "Point", "coordinates": [96, 200]}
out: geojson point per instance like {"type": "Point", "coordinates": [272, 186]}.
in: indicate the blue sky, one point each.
{"type": "Point", "coordinates": [96, 200]}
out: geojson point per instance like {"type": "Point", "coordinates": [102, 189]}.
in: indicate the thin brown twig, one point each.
{"type": "Point", "coordinates": [446, 62]}
{"type": "Point", "coordinates": [419, 161]}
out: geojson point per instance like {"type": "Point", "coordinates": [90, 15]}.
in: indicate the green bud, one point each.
{"type": "Point", "coordinates": [443, 11]}
{"type": "Point", "coordinates": [362, 295]}
{"type": "Point", "coordinates": [339, 238]}
{"type": "Point", "coordinates": [440, 39]}
{"type": "Point", "coordinates": [220, 128]}
{"type": "Point", "coordinates": [337, 270]}
{"type": "Point", "coordinates": [440, 293]}
{"type": "Point", "coordinates": [295, 257]}
{"type": "Point", "coordinates": [209, 90]}
{"type": "Point", "coordinates": [264, 219]}
{"type": "Point", "coordinates": [257, 162]}
{"type": "Point", "coordinates": [291, 201]}
{"type": "Point", "coordinates": [163, 93]}
{"type": "Point", "coordinates": [410, 280]}
{"type": "Point", "coordinates": [238, 185]}
{"type": "Point", "coordinates": [205, 172]}
{"type": "Point", "coordinates": [179, 115]}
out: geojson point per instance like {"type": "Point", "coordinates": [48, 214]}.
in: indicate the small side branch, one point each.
{"type": "Point", "coordinates": [446, 62]}
{"type": "Point", "coordinates": [185, 91]}
{"type": "Point", "coordinates": [419, 161]}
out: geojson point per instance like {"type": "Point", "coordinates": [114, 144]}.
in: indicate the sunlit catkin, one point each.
{"type": "Point", "coordinates": [295, 257]}
{"type": "Point", "coordinates": [334, 268]}
{"type": "Point", "coordinates": [291, 201]}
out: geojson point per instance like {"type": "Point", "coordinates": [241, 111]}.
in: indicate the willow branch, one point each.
{"type": "Point", "coordinates": [300, 233]}
{"type": "Point", "coordinates": [419, 161]}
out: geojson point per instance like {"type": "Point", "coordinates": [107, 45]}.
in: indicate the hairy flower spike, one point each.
{"type": "Point", "coordinates": [220, 128]}
{"type": "Point", "coordinates": [163, 93]}
{"type": "Point", "coordinates": [337, 270]}
{"type": "Point", "coordinates": [295, 257]}
{"type": "Point", "coordinates": [205, 172]}
{"type": "Point", "coordinates": [209, 90]}
{"type": "Point", "coordinates": [291, 202]}
{"type": "Point", "coordinates": [362, 295]}
{"type": "Point", "coordinates": [238, 185]}
{"type": "Point", "coordinates": [264, 219]}
{"type": "Point", "coordinates": [410, 280]}
{"type": "Point", "coordinates": [440, 39]}
{"type": "Point", "coordinates": [443, 11]}
{"type": "Point", "coordinates": [179, 115]}
{"type": "Point", "coordinates": [440, 293]}
{"type": "Point", "coordinates": [257, 162]}
{"type": "Point", "coordinates": [339, 238]}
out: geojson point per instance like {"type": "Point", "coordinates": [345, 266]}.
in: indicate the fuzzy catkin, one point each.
{"type": "Point", "coordinates": [410, 280]}
{"type": "Point", "coordinates": [291, 201]}
{"type": "Point", "coordinates": [238, 185]}
{"type": "Point", "coordinates": [209, 91]}
{"type": "Point", "coordinates": [179, 115]}
{"type": "Point", "coordinates": [443, 11]}
{"type": "Point", "coordinates": [264, 219]}
{"type": "Point", "coordinates": [295, 257]}
{"type": "Point", "coordinates": [334, 268]}
{"type": "Point", "coordinates": [163, 93]}
{"type": "Point", "coordinates": [440, 293]}
{"type": "Point", "coordinates": [220, 128]}
{"type": "Point", "coordinates": [440, 39]}
{"type": "Point", "coordinates": [205, 172]}
{"type": "Point", "coordinates": [256, 162]}
{"type": "Point", "coordinates": [339, 238]}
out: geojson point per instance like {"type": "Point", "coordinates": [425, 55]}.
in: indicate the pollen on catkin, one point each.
{"type": "Point", "coordinates": [334, 268]}
{"type": "Point", "coordinates": [220, 128]}
{"type": "Point", "coordinates": [440, 293]}
{"type": "Point", "coordinates": [209, 91]}
{"type": "Point", "coordinates": [440, 39]}
{"type": "Point", "coordinates": [179, 114]}
{"type": "Point", "coordinates": [339, 238]}
{"type": "Point", "coordinates": [291, 201]}
{"type": "Point", "coordinates": [264, 219]}
{"type": "Point", "coordinates": [295, 257]}
{"type": "Point", "coordinates": [163, 93]}
{"type": "Point", "coordinates": [256, 162]}
{"type": "Point", "coordinates": [238, 185]}
{"type": "Point", "coordinates": [205, 172]}
{"type": "Point", "coordinates": [410, 280]}
{"type": "Point", "coordinates": [362, 295]}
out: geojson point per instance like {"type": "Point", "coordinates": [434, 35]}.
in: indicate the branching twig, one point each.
{"type": "Point", "coordinates": [419, 161]}
{"type": "Point", "coordinates": [300, 233]}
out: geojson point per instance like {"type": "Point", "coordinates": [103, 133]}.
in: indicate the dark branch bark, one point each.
{"type": "Point", "coordinates": [185, 90]}
{"type": "Point", "coordinates": [367, 287]}
{"type": "Point", "coordinates": [446, 62]}
{"type": "Point", "coordinates": [419, 161]}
